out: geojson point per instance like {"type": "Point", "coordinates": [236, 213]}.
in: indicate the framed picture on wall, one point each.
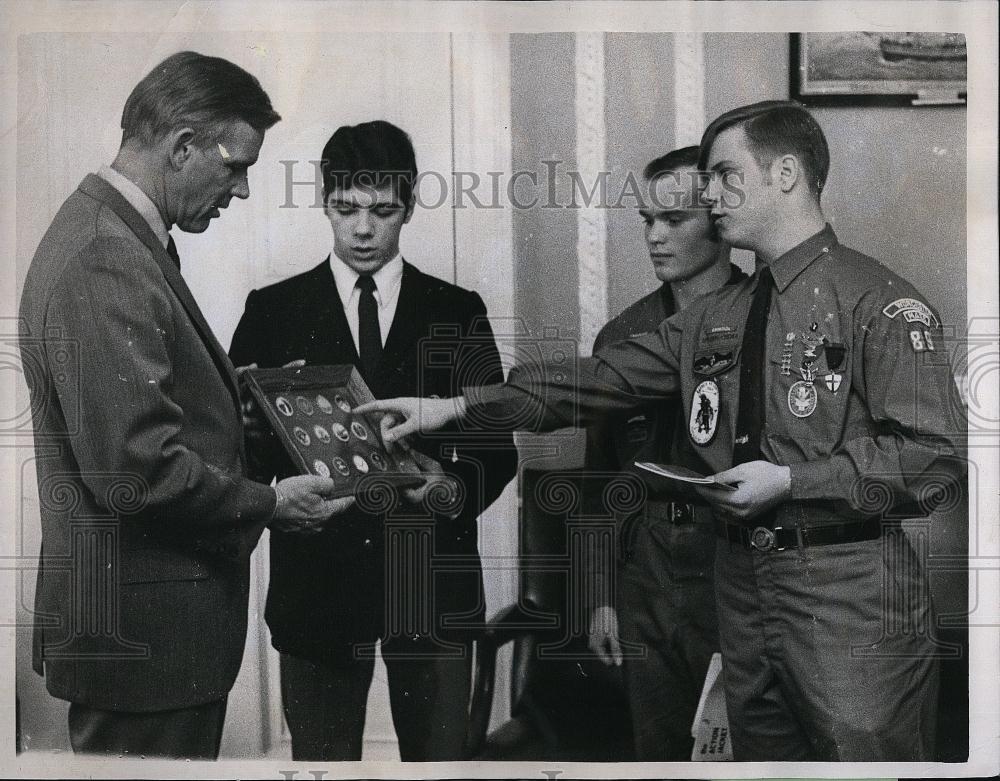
{"type": "Point", "coordinates": [878, 68]}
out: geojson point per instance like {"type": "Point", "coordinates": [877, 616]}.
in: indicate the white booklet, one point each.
{"type": "Point", "coordinates": [683, 474]}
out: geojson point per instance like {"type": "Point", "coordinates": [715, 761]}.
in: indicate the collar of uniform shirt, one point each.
{"type": "Point", "coordinates": [387, 280]}
{"type": "Point", "coordinates": [798, 258]}
{"type": "Point", "coordinates": [138, 200]}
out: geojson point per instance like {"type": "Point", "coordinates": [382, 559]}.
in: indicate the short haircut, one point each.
{"type": "Point", "coordinates": [674, 161]}
{"type": "Point", "coordinates": [190, 89]}
{"type": "Point", "coordinates": [685, 157]}
{"type": "Point", "coordinates": [773, 128]}
{"type": "Point", "coordinates": [370, 155]}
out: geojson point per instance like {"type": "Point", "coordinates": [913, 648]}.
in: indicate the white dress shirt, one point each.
{"type": "Point", "coordinates": [388, 280]}
{"type": "Point", "coordinates": [138, 201]}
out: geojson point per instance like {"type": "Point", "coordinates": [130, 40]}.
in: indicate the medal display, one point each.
{"type": "Point", "coordinates": [327, 438]}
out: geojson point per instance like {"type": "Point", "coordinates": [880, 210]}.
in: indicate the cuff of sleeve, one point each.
{"type": "Point", "coordinates": [810, 480]}
{"type": "Point", "coordinates": [262, 500]}
{"type": "Point", "coordinates": [482, 395]}
{"type": "Point", "coordinates": [485, 404]}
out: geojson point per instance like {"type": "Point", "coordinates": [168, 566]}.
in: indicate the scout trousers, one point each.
{"type": "Point", "coordinates": [828, 652]}
{"type": "Point", "coordinates": [668, 621]}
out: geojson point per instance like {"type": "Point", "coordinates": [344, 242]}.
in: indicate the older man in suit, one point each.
{"type": "Point", "coordinates": [409, 579]}
{"type": "Point", "coordinates": [148, 517]}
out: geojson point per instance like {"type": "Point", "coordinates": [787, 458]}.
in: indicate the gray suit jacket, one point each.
{"type": "Point", "coordinates": [147, 516]}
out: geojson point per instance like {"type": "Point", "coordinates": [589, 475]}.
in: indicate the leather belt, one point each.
{"type": "Point", "coordinates": [677, 513]}
{"type": "Point", "coordinates": [778, 538]}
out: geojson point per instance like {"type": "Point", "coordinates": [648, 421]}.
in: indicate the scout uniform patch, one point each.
{"type": "Point", "coordinates": [704, 418]}
{"type": "Point", "coordinates": [915, 312]}
{"type": "Point", "coordinates": [712, 361]}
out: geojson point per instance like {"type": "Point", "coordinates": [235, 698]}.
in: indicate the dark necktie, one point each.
{"type": "Point", "coordinates": [369, 335]}
{"type": "Point", "coordinates": [750, 419]}
{"type": "Point", "coordinates": [172, 252]}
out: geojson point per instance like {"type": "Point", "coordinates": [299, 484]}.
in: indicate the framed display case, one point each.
{"type": "Point", "coordinates": [311, 410]}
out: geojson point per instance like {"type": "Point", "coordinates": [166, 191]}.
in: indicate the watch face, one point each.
{"type": "Point", "coordinates": [325, 406]}
{"type": "Point", "coordinates": [284, 407]}
{"type": "Point", "coordinates": [359, 430]}
{"type": "Point", "coordinates": [342, 403]}
{"type": "Point", "coordinates": [360, 464]}
{"type": "Point", "coordinates": [340, 432]}
{"type": "Point", "coordinates": [320, 468]}
{"type": "Point", "coordinates": [305, 406]}
{"type": "Point", "coordinates": [321, 434]}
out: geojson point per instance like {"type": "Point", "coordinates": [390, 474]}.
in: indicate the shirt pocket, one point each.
{"type": "Point", "coordinates": [811, 413]}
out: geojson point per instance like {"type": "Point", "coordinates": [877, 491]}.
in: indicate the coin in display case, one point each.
{"type": "Point", "coordinates": [359, 430]}
{"type": "Point", "coordinates": [320, 468]}
{"type": "Point", "coordinates": [340, 432]}
{"type": "Point", "coordinates": [341, 466]}
{"type": "Point", "coordinates": [360, 464]}
{"type": "Point", "coordinates": [324, 404]}
{"type": "Point", "coordinates": [284, 407]}
{"type": "Point", "coordinates": [376, 458]}
{"type": "Point", "coordinates": [342, 403]}
{"type": "Point", "coordinates": [301, 436]}
{"type": "Point", "coordinates": [304, 405]}
{"type": "Point", "coordinates": [321, 434]}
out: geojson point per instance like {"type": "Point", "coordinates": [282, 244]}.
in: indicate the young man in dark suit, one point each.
{"type": "Point", "coordinates": [148, 516]}
{"type": "Point", "coordinates": [409, 578]}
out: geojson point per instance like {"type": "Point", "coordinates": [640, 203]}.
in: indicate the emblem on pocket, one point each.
{"type": "Point", "coordinates": [802, 399]}
{"type": "Point", "coordinates": [710, 362]}
{"type": "Point", "coordinates": [704, 412]}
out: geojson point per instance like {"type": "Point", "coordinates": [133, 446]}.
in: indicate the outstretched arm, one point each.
{"type": "Point", "coordinates": [623, 376]}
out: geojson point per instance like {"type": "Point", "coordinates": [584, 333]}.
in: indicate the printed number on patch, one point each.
{"type": "Point", "coordinates": [921, 341]}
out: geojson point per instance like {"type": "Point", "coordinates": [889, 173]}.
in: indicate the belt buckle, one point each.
{"type": "Point", "coordinates": [762, 539]}
{"type": "Point", "coordinates": [681, 513]}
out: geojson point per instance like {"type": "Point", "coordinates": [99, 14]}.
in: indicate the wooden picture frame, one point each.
{"type": "Point", "coordinates": [878, 68]}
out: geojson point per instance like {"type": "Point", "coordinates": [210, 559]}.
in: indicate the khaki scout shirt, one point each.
{"type": "Point", "coordinates": [877, 433]}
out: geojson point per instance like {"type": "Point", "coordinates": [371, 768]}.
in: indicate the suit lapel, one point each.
{"type": "Point", "coordinates": [329, 318]}
{"type": "Point", "coordinates": [408, 324]}
{"type": "Point", "coordinates": [100, 189]}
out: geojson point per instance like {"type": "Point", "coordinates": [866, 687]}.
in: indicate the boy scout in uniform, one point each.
{"type": "Point", "coordinates": [665, 599]}
{"type": "Point", "coordinates": [833, 406]}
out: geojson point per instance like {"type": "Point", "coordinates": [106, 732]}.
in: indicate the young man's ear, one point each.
{"type": "Point", "coordinates": [788, 172]}
{"type": "Point", "coordinates": [180, 146]}
{"type": "Point", "coordinates": [409, 209]}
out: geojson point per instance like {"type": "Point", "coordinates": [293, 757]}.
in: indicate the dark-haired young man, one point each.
{"type": "Point", "coordinates": [144, 572]}
{"type": "Point", "coordinates": [665, 606]}
{"type": "Point", "coordinates": [835, 414]}
{"type": "Point", "coordinates": [410, 580]}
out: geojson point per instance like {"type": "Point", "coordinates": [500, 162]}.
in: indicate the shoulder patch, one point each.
{"type": "Point", "coordinates": [913, 311]}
